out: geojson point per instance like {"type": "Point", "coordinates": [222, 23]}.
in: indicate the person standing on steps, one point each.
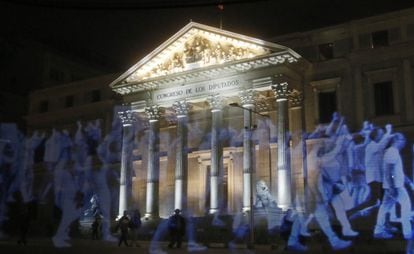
{"type": "Point", "coordinates": [176, 227]}
{"type": "Point", "coordinates": [123, 225]}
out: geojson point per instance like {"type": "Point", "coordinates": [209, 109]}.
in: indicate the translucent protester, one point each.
{"type": "Point", "coordinates": [395, 192]}
{"type": "Point", "coordinates": [333, 179]}
{"type": "Point", "coordinates": [322, 190]}
{"type": "Point", "coordinates": [11, 163]}
{"type": "Point", "coordinates": [68, 195]}
{"type": "Point", "coordinates": [109, 152]}
{"type": "Point", "coordinates": [12, 158]}
{"type": "Point", "coordinates": [358, 188]}
{"type": "Point", "coordinates": [50, 159]}
{"type": "Point", "coordinates": [374, 153]}
{"type": "Point", "coordinates": [191, 224]}
{"type": "Point", "coordinates": [26, 185]}
{"type": "Point", "coordinates": [293, 226]}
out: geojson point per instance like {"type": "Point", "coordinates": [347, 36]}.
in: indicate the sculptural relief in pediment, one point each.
{"type": "Point", "coordinates": [195, 49]}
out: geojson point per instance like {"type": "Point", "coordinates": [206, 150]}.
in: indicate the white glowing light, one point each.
{"type": "Point", "coordinates": [196, 49]}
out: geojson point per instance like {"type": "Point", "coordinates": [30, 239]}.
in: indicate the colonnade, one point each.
{"type": "Point", "coordinates": [283, 94]}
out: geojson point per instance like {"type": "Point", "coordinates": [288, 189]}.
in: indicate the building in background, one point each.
{"type": "Point", "coordinates": [27, 65]}
{"type": "Point", "coordinates": [60, 107]}
{"type": "Point", "coordinates": [362, 69]}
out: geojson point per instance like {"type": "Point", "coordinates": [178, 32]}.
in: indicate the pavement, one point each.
{"type": "Point", "coordinates": [87, 246]}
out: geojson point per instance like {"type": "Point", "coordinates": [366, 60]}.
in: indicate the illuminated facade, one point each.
{"type": "Point", "coordinates": [196, 152]}
{"type": "Point", "coordinates": [191, 144]}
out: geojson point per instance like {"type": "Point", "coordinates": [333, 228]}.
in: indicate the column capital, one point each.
{"type": "Point", "coordinates": [248, 97]}
{"type": "Point", "coordinates": [296, 98]}
{"type": "Point", "coordinates": [281, 90]}
{"type": "Point", "coordinates": [216, 102]}
{"type": "Point", "coordinates": [127, 117]}
{"type": "Point", "coordinates": [153, 112]}
{"type": "Point", "coordinates": [181, 108]}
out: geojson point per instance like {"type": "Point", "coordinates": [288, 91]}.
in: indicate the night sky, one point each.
{"type": "Point", "coordinates": [123, 31]}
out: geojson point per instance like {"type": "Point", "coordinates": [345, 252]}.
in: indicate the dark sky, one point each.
{"type": "Point", "coordinates": [123, 31]}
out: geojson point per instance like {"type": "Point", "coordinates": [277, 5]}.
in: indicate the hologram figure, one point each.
{"type": "Point", "coordinates": [51, 157]}
{"type": "Point", "coordinates": [11, 158]}
{"type": "Point", "coordinates": [322, 192]}
{"type": "Point", "coordinates": [374, 153]}
{"type": "Point", "coordinates": [395, 192]}
{"type": "Point", "coordinates": [68, 195]}
{"type": "Point", "coordinates": [290, 230]}
{"type": "Point", "coordinates": [109, 151]}
{"type": "Point", "coordinates": [26, 185]}
{"type": "Point", "coordinates": [332, 181]}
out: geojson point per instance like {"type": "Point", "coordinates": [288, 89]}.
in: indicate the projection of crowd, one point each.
{"type": "Point", "coordinates": [358, 175]}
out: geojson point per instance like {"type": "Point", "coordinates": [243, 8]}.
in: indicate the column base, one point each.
{"type": "Point", "coordinates": [284, 207]}
{"type": "Point", "coordinates": [246, 209]}
{"type": "Point", "coordinates": [213, 210]}
{"type": "Point", "coordinates": [149, 216]}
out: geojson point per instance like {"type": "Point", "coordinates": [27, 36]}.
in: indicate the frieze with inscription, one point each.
{"type": "Point", "coordinates": [196, 90]}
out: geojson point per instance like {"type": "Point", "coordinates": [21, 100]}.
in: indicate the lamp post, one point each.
{"type": "Point", "coordinates": [250, 129]}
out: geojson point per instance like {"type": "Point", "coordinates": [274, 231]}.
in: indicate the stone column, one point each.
{"type": "Point", "coordinates": [298, 158]}
{"type": "Point", "coordinates": [216, 152]}
{"type": "Point", "coordinates": [284, 187]}
{"type": "Point", "coordinates": [180, 194]}
{"type": "Point", "coordinates": [153, 169]}
{"type": "Point", "coordinates": [127, 118]}
{"type": "Point", "coordinates": [247, 99]}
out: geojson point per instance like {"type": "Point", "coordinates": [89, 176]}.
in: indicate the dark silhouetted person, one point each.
{"type": "Point", "coordinates": [135, 224]}
{"type": "Point", "coordinates": [96, 226]}
{"type": "Point", "coordinates": [123, 225]}
{"type": "Point", "coordinates": [176, 227]}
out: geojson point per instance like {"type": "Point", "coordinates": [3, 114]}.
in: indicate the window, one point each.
{"type": "Point", "coordinates": [326, 51]}
{"type": "Point", "coordinates": [342, 47]}
{"type": "Point", "coordinates": [327, 106]}
{"type": "Point", "coordinates": [43, 106]}
{"type": "Point", "coordinates": [383, 98]}
{"type": "Point", "coordinates": [69, 100]}
{"type": "Point", "coordinates": [379, 39]}
{"type": "Point", "coordinates": [309, 52]}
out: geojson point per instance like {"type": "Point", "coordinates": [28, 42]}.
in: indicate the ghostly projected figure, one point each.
{"type": "Point", "coordinates": [322, 191]}
{"type": "Point", "coordinates": [374, 152]}
{"type": "Point", "coordinates": [11, 158]}
{"type": "Point", "coordinates": [298, 226]}
{"type": "Point", "coordinates": [67, 192]}
{"type": "Point", "coordinates": [109, 151]}
{"type": "Point", "coordinates": [395, 192]}
{"type": "Point", "coordinates": [26, 185]}
{"type": "Point", "coordinates": [332, 181]}
{"type": "Point", "coordinates": [51, 156]}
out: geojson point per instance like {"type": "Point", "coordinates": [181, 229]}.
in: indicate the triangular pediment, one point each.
{"type": "Point", "coordinates": [197, 46]}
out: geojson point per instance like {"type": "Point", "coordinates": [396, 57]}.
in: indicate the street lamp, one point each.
{"type": "Point", "coordinates": [250, 129]}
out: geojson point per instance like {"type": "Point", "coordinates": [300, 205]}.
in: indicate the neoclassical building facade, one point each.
{"type": "Point", "coordinates": [209, 110]}
{"type": "Point", "coordinates": [213, 112]}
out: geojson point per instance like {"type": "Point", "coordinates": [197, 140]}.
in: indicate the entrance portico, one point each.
{"type": "Point", "coordinates": [185, 84]}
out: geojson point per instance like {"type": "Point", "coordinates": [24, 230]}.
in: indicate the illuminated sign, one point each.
{"type": "Point", "coordinates": [195, 90]}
